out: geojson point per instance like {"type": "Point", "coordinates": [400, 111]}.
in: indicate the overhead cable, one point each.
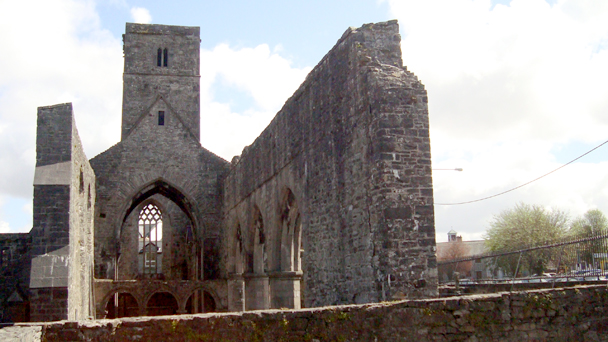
{"type": "Point", "coordinates": [534, 180]}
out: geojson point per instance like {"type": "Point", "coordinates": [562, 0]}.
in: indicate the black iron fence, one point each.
{"type": "Point", "coordinates": [569, 260]}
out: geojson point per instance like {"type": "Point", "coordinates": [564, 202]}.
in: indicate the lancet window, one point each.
{"type": "Point", "coordinates": [291, 244]}
{"type": "Point", "coordinates": [162, 57]}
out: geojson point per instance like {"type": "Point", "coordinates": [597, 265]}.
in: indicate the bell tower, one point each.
{"type": "Point", "coordinates": [162, 70]}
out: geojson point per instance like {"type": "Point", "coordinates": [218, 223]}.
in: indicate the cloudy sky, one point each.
{"type": "Point", "coordinates": [516, 88]}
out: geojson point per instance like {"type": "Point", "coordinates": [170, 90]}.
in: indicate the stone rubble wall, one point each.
{"type": "Point", "coordinates": [352, 144]}
{"type": "Point", "coordinates": [81, 233]}
{"type": "Point", "coordinates": [14, 276]}
{"type": "Point", "coordinates": [570, 314]}
{"type": "Point", "coordinates": [62, 234]}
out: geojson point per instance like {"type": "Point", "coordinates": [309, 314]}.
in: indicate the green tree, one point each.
{"type": "Point", "coordinates": [592, 223]}
{"type": "Point", "coordinates": [522, 227]}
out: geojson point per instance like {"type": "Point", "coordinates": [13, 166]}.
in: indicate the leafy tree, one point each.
{"type": "Point", "coordinates": [593, 222]}
{"type": "Point", "coordinates": [522, 227]}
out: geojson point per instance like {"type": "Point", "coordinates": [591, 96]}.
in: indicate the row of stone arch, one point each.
{"type": "Point", "coordinates": [269, 263]}
{"type": "Point", "coordinates": [123, 303]}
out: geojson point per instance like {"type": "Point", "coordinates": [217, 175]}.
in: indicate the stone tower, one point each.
{"type": "Point", "coordinates": [158, 208]}
{"type": "Point", "coordinates": [161, 76]}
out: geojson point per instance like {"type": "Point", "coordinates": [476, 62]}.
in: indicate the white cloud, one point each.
{"type": "Point", "coordinates": [264, 76]}
{"type": "Point", "coordinates": [508, 87]}
{"type": "Point", "coordinates": [62, 55]}
{"type": "Point", "coordinates": [141, 15]}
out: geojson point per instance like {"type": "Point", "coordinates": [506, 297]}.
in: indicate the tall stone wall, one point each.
{"type": "Point", "coordinates": [571, 314]}
{"type": "Point", "coordinates": [62, 234]}
{"type": "Point", "coordinates": [81, 303]}
{"type": "Point", "coordinates": [351, 146]}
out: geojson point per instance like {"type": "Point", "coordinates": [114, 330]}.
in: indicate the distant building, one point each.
{"type": "Point", "coordinates": [456, 248]}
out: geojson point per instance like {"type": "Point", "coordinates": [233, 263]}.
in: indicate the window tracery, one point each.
{"type": "Point", "coordinates": [150, 240]}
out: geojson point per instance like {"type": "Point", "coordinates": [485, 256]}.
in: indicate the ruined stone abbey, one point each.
{"type": "Point", "coordinates": [331, 204]}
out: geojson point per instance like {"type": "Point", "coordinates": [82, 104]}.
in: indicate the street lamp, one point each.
{"type": "Point", "coordinates": [455, 169]}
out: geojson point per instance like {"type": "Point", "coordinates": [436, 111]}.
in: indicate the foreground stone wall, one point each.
{"type": "Point", "coordinates": [571, 314]}
{"type": "Point", "coordinates": [337, 190]}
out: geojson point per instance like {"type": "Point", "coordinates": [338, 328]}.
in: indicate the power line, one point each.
{"type": "Point", "coordinates": [534, 180]}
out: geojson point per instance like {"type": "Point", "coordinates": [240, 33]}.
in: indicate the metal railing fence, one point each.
{"type": "Point", "coordinates": [572, 259]}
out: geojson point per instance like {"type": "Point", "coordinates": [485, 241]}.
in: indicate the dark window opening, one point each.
{"type": "Point", "coordinates": [159, 57]}
{"type": "Point", "coordinates": [161, 118]}
{"type": "Point", "coordinates": [184, 269]}
{"type": "Point", "coordinates": [165, 57]}
{"type": "Point", "coordinates": [4, 258]}
{"type": "Point", "coordinates": [81, 181]}
{"type": "Point", "coordinates": [89, 196]}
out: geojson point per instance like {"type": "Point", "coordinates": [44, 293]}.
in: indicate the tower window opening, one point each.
{"type": "Point", "coordinates": [150, 240]}
{"type": "Point", "coordinates": [162, 57]}
{"type": "Point", "coordinates": [161, 118]}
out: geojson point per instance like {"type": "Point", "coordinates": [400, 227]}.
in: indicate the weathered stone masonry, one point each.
{"type": "Point", "coordinates": [332, 204]}
{"type": "Point", "coordinates": [573, 314]}
{"type": "Point", "coordinates": [61, 278]}
{"type": "Point", "coordinates": [352, 147]}
{"type": "Point", "coordinates": [160, 162]}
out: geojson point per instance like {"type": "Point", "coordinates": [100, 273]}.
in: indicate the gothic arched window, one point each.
{"type": "Point", "coordinates": [150, 240]}
{"type": "Point", "coordinates": [291, 234]}
{"type": "Point", "coordinates": [260, 258]}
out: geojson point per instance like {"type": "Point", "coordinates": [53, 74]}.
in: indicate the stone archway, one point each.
{"type": "Point", "coordinates": [179, 252]}
{"type": "Point", "coordinates": [291, 234]}
{"type": "Point", "coordinates": [161, 304]}
{"type": "Point", "coordinates": [285, 284]}
{"type": "Point", "coordinates": [121, 304]}
{"type": "Point", "coordinates": [201, 301]}
{"type": "Point", "coordinates": [257, 295]}
{"type": "Point", "coordinates": [165, 189]}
